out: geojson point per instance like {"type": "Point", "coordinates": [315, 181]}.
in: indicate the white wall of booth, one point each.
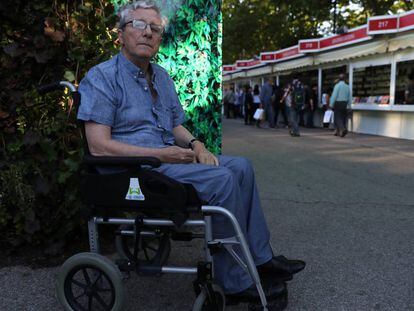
{"type": "Point", "coordinates": [377, 72]}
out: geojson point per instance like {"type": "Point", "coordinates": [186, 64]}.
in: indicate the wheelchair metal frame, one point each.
{"type": "Point", "coordinates": [228, 244]}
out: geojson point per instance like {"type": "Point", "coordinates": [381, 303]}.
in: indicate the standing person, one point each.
{"type": "Point", "coordinates": [256, 102]}
{"type": "Point", "coordinates": [299, 98]}
{"type": "Point", "coordinates": [292, 113]}
{"type": "Point", "coordinates": [230, 98]}
{"type": "Point", "coordinates": [248, 105]}
{"type": "Point", "coordinates": [277, 105]}
{"type": "Point", "coordinates": [339, 101]}
{"type": "Point", "coordinates": [130, 107]}
{"type": "Point", "coordinates": [266, 99]}
{"type": "Point", "coordinates": [283, 109]}
{"type": "Point", "coordinates": [239, 102]}
{"type": "Point", "coordinates": [326, 95]}
{"type": "Point", "coordinates": [312, 104]}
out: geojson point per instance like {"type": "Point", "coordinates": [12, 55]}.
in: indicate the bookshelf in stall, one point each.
{"type": "Point", "coordinates": [371, 85]}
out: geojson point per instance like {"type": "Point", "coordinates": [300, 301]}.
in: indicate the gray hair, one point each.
{"type": "Point", "coordinates": [125, 10]}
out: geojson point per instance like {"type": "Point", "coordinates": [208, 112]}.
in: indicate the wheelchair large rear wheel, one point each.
{"type": "Point", "coordinates": [89, 281]}
{"type": "Point", "coordinates": [154, 249]}
{"type": "Point", "coordinates": [203, 301]}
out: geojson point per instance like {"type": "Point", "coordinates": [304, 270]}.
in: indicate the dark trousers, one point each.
{"type": "Point", "coordinates": [248, 114]}
{"type": "Point", "coordinates": [283, 109]}
{"type": "Point", "coordinates": [340, 113]}
{"type": "Point", "coordinates": [293, 114]}
{"type": "Point", "coordinates": [309, 117]}
{"type": "Point", "coordinates": [230, 111]}
{"type": "Point", "coordinates": [270, 114]}
{"type": "Point", "coordinates": [301, 116]}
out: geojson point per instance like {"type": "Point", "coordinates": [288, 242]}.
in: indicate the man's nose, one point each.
{"type": "Point", "coordinates": [148, 31]}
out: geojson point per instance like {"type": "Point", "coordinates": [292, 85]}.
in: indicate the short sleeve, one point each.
{"type": "Point", "coordinates": [177, 109]}
{"type": "Point", "coordinates": [98, 102]}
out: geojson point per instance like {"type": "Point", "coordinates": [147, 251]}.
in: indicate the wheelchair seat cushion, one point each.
{"type": "Point", "coordinates": [141, 190]}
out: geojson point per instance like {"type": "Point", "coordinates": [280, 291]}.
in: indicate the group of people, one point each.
{"type": "Point", "coordinates": [296, 102]}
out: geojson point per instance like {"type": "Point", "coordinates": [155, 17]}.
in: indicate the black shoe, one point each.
{"type": "Point", "coordinates": [280, 266]}
{"type": "Point", "coordinates": [252, 295]}
{"type": "Point", "coordinates": [343, 133]}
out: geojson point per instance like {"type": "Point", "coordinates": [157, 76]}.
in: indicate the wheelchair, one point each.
{"type": "Point", "coordinates": [159, 209]}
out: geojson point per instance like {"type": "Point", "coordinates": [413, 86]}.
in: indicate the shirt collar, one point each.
{"type": "Point", "coordinates": [133, 69]}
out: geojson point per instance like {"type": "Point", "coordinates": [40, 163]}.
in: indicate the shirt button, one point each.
{"type": "Point", "coordinates": [135, 77]}
{"type": "Point", "coordinates": [159, 125]}
{"type": "Point", "coordinates": [146, 88]}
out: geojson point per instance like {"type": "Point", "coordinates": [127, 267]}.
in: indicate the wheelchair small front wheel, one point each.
{"type": "Point", "coordinates": [204, 300]}
{"type": "Point", "coordinates": [89, 281]}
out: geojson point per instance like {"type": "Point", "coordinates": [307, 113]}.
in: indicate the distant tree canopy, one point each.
{"type": "Point", "coordinates": [253, 26]}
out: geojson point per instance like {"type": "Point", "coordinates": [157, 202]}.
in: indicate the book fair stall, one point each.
{"type": "Point", "coordinates": [377, 58]}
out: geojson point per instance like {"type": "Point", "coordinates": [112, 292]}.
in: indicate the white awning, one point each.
{"type": "Point", "coordinates": [352, 52]}
{"type": "Point", "coordinates": [260, 71]}
{"type": "Point", "coordinates": [401, 42]}
{"type": "Point", "coordinates": [293, 64]}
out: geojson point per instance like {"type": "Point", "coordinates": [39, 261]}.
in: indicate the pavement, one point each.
{"type": "Point", "coordinates": [344, 205]}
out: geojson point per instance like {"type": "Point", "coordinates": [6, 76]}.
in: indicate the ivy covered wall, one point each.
{"type": "Point", "coordinates": [40, 150]}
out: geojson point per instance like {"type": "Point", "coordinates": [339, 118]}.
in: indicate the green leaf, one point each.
{"type": "Point", "coordinates": [69, 75]}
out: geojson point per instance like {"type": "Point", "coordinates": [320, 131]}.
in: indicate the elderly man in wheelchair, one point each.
{"type": "Point", "coordinates": [142, 160]}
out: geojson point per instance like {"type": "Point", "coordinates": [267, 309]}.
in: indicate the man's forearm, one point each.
{"type": "Point", "coordinates": [115, 148]}
{"type": "Point", "coordinates": [101, 143]}
{"type": "Point", "coordinates": [182, 136]}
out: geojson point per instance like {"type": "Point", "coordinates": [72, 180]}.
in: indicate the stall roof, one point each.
{"type": "Point", "coordinates": [294, 64]}
{"type": "Point", "coordinates": [359, 50]}
{"type": "Point", "coordinates": [401, 42]}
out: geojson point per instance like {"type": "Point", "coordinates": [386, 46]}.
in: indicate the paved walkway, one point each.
{"type": "Point", "coordinates": [346, 206]}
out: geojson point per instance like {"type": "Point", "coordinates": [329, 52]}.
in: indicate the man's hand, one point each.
{"type": "Point", "coordinates": [175, 154]}
{"type": "Point", "coordinates": [204, 156]}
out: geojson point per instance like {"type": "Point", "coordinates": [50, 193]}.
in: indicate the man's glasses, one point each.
{"type": "Point", "coordinates": [141, 26]}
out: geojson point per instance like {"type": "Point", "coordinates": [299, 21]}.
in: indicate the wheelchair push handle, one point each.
{"type": "Point", "coordinates": [47, 88]}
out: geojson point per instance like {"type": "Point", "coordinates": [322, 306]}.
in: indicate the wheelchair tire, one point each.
{"type": "Point", "coordinates": [155, 250]}
{"type": "Point", "coordinates": [89, 281]}
{"type": "Point", "coordinates": [202, 302]}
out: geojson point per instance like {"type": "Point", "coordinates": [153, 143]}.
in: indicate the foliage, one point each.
{"type": "Point", "coordinates": [254, 26]}
{"type": "Point", "coordinates": [40, 148]}
{"type": "Point", "coordinates": [191, 53]}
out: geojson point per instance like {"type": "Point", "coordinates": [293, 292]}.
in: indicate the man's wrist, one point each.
{"type": "Point", "coordinates": [194, 142]}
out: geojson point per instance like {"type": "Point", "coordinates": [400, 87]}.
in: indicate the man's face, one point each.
{"type": "Point", "coordinates": [141, 44]}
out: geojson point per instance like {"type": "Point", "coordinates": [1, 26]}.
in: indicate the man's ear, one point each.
{"type": "Point", "coordinates": [121, 36]}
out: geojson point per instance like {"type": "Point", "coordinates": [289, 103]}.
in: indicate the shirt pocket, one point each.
{"type": "Point", "coordinates": [167, 118]}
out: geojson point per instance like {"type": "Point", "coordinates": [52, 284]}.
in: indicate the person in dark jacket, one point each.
{"type": "Point", "coordinates": [248, 105]}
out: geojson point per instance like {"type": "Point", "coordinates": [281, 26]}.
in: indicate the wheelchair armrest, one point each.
{"type": "Point", "coordinates": [121, 161]}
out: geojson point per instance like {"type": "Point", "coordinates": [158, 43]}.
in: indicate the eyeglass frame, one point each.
{"type": "Point", "coordinates": [159, 31]}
